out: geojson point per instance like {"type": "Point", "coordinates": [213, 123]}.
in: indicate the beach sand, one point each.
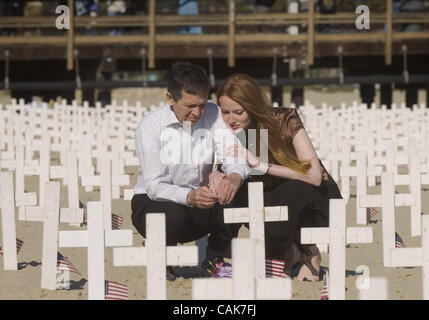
{"type": "Point", "coordinates": [404, 283]}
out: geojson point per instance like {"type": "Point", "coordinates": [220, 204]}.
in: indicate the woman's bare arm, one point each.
{"type": "Point", "coordinates": [305, 152]}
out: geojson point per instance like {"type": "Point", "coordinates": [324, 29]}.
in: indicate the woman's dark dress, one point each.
{"type": "Point", "coordinates": [308, 206]}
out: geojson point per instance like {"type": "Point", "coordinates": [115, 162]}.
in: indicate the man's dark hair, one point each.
{"type": "Point", "coordinates": [188, 77]}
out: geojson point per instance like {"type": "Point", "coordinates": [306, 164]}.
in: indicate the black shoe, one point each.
{"type": "Point", "coordinates": [171, 276]}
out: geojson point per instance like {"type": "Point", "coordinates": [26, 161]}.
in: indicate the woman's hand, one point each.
{"type": "Point", "coordinates": [241, 152]}
{"type": "Point", "coordinates": [214, 180]}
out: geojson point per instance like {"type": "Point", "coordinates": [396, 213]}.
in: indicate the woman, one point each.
{"type": "Point", "coordinates": [293, 175]}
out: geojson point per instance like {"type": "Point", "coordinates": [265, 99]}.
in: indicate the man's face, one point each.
{"type": "Point", "coordinates": [189, 107]}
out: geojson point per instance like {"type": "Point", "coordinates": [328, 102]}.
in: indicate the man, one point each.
{"type": "Point", "coordinates": [176, 145]}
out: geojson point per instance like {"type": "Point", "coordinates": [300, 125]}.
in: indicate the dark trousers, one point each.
{"type": "Point", "coordinates": [185, 224]}
{"type": "Point", "coordinates": [308, 206]}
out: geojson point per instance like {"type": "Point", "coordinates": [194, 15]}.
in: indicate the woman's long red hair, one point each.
{"type": "Point", "coordinates": [251, 97]}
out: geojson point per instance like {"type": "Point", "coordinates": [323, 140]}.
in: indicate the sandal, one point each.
{"type": "Point", "coordinates": [311, 274]}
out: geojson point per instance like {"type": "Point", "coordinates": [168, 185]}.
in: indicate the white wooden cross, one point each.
{"type": "Point", "coordinates": [95, 238]}
{"type": "Point", "coordinates": [33, 213]}
{"type": "Point", "coordinates": [155, 256]}
{"type": "Point", "coordinates": [388, 200]}
{"type": "Point", "coordinates": [7, 207]}
{"type": "Point", "coordinates": [360, 172]}
{"type": "Point", "coordinates": [104, 182]}
{"type": "Point", "coordinates": [337, 236]}
{"type": "Point", "coordinates": [69, 172]}
{"type": "Point", "coordinates": [22, 198]}
{"type": "Point", "coordinates": [243, 285]}
{"type": "Point", "coordinates": [50, 235]}
{"type": "Point", "coordinates": [118, 177]}
{"type": "Point", "coordinates": [256, 215]}
{"type": "Point", "coordinates": [415, 257]}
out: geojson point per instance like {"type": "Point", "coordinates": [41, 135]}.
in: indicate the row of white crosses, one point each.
{"type": "Point", "coordinates": [374, 149]}
{"type": "Point", "coordinates": [82, 129]}
{"type": "Point", "coordinates": [41, 166]}
{"type": "Point", "coordinates": [95, 238]}
{"type": "Point", "coordinates": [364, 129]}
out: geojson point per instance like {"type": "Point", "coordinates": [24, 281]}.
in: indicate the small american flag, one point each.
{"type": "Point", "coordinates": [63, 264]}
{"type": "Point", "coordinates": [371, 213]}
{"type": "Point", "coordinates": [325, 291]}
{"type": "Point", "coordinates": [116, 221]}
{"type": "Point", "coordinates": [398, 241]}
{"type": "Point", "coordinates": [19, 244]}
{"type": "Point", "coordinates": [274, 268]}
{"type": "Point", "coordinates": [115, 291]}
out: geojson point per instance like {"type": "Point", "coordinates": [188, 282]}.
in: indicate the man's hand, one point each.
{"type": "Point", "coordinates": [227, 188]}
{"type": "Point", "coordinates": [201, 198]}
{"type": "Point", "coordinates": [214, 180]}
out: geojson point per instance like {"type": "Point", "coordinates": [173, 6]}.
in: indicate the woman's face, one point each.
{"type": "Point", "coordinates": [233, 114]}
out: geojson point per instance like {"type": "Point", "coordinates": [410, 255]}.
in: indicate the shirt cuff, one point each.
{"type": "Point", "coordinates": [238, 170]}
{"type": "Point", "coordinates": [181, 195]}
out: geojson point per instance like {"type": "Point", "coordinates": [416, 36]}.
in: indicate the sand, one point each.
{"type": "Point", "coordinates": [404, 283]}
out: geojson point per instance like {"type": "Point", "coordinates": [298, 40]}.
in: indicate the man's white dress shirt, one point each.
{"type": "Point", "coordinates": [176, 158]}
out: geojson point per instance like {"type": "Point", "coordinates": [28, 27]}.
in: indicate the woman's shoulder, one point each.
{"type": "Point", "coordinates": [288, 119]}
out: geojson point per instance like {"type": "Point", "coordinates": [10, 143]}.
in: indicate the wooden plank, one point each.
{"type": "Point", "coordinates": [415, 191]}
{"type": "Point", "coordinates": [406, 257]}
{"type": "Point", "coordinates": [231, 34]}
{"type": "Point", "coordinates": [132, 257]}
{"type": "Point", "coordinates": [155, 231]}
{"type": "Point", "coordinates": [71, 215]}
{"type": "Point", "coordinates": [118, 238]}
{"type": "Point", "coordinates": [310, 33]}
{"type": "Point", "coordinates": [389, 28]}
{"type": "Point", "coordinates": [273, 289]}
{"type": "Point", "coordinates": [425, 249]}
{"type": "Point", "coordinates": [152, 36]}
{"type": "Point", "coordinates": [106, 192]}
{"type": "Point", "coordinates": [371, 201]}
{"type": "Point", "coordinates": [314, 235]}
{"type": "Point", "coordinates": [361, 186]}
{"type": "Point", "coordinates": [50, 235]}
{"type": "Point", "coordinates": [7, 207]}
{"type": "Point", "coordinates": [44, 162]}
{"type": "Point", "coordinates": [388, 215]}
{"type": "Point", "coordinates": [212, 289]}
{"type": "Point", "coordinates": [72, 179]}
{"type": "Point", "coordinates": [128, 194]}
{"type": "Point", "coordinates": [182, 256]}
{"type": "Point", "coordinates": [75, 239]}
{"type": "Point", "coordinates": [26, 199]}
{"type": "Point", "coordinates": [257, 227]}
{"type": "Point", "coordinates": [95, 236]}
{"type": "Point", "coordinates": [19, 171]}
{"type": "Point", "coordinates": [337, 249]}
{"type": "Point", "coordinates": [243, 279]}
{"type": "Point", "coordinates": [70, 36]}
{"type": "Point", "coordinates": [359, 235]}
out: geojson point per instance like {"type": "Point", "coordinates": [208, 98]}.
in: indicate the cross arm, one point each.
{"type": "Point", "coordinates": [241, 215]}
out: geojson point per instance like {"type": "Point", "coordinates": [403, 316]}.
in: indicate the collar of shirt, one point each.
{"type": "Point", "coordinates": [170, 116]}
